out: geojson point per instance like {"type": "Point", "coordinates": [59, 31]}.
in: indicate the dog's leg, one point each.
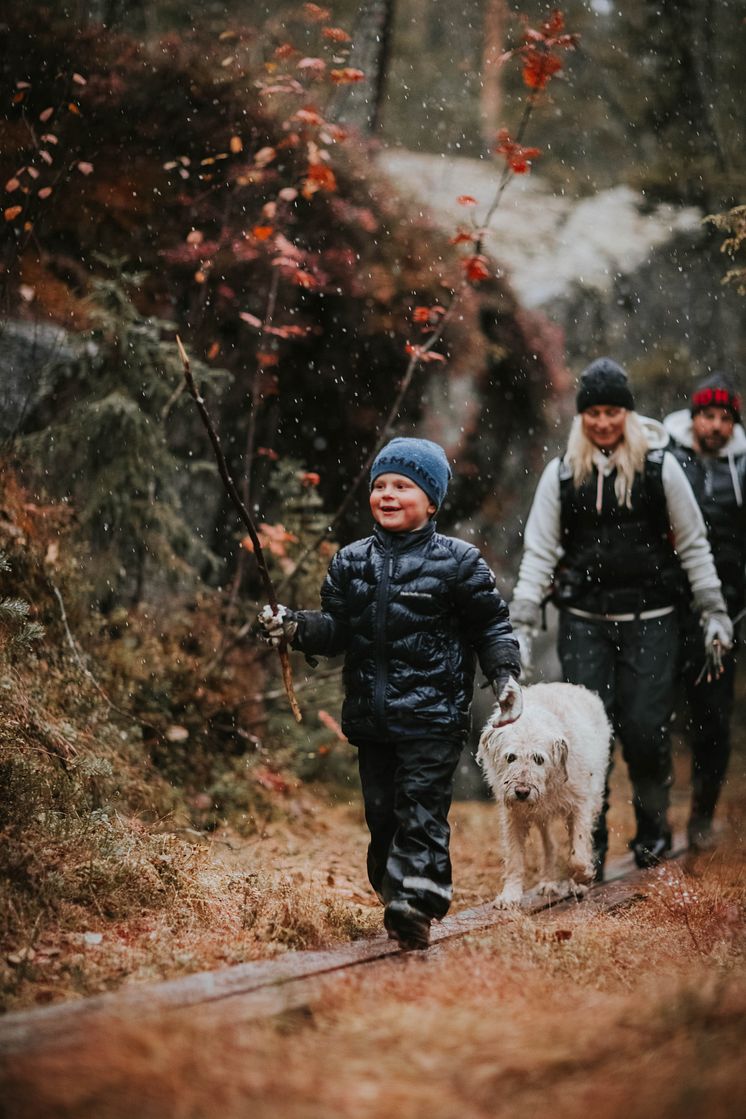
{"type": "Point", "coordinates": [548, 884]}
{"type": "Point", "coordinates": [514, 832]}
{"type": "Point", "coordinates": [580, 829]}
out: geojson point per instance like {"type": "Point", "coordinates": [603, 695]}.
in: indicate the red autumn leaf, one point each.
{"type": "Point", "coordinates": [252, 320]}
{"type": "Point", "coordinates": [309, 478]}
{"type": "Point", "coordinates": [274, 782]}
{"type": "Point", "coordinates": [427, 315]}
{"type": "Point", "coordinates": [263, 232]}
{"type": "Point", "coordinates": [286, 50]}
{"type": "Point", "coordinates": [267, 358]}
{"type": "Point", "coordinates": [539, 67]}
{"type": "Point", "coordinates": [12, 184]}
{"type": "Point", "coordinates": [464, 237]}
{"type": "Point", "coordinates": [12, 212]}
{"type": "Point", "coordinates": [539, 51]}
{"type": "Point", "coordinates": [264, 156]}
{"type": "Point", "coordinates": [72, 108]}
{"type": "Point", "coordinates": [290, 331]}
{"type": "Point", "coordinates": [267, 452]}
{"type": "Point", "coordinates": [421, 354]}
{"type": "Point", "coordinates": [45, 192]}
{"type": "Point", "coordinates": [85, 168]}
{"type": "Point", "coordinates": [336, 35]}
{"type": "Point", "coordinates": [46, 114]}
{"type": "Point", "coordinates": [308, 116]}
{"type": "Point", "coordinates": [346, 76]}
{"type": "Point", "coordinates": [315, 65]}
{"type": "Point", "coordinates": [476, 268]}
{"type": "Point", "coordinates": [466, 200]}
{"type": "Point", "coordinates": [516, 156]}
{"type": "Point", "coordinates": [79, 79]}
{"type": "Point", "coordinates": [213, 351]}
{"type": "Point", "coordinates": [320, 176]}
{"type": "Point", "coordinates": [316, 14]}
{"type": "Point", "coordinates": [305, 279]}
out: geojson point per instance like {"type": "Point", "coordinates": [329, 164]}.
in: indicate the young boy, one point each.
{"type": "Point", "coordinates": [411, 610]}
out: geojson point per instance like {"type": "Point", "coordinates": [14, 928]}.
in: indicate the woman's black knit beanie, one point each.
{"type": "Point", "coordinates": [604, 382]}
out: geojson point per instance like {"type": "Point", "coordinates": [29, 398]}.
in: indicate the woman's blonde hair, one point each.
{"type": "Point", "coordinates": [628, 457]}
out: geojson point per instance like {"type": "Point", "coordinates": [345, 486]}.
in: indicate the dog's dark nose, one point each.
{"type": "Point", "coordinates": [522, 792]}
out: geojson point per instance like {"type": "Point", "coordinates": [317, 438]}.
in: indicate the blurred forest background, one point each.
{"type": "Point", "coordinates": [253, 176]}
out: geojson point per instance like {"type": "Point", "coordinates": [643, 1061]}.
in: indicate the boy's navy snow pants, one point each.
{"type": "Point", "coordinates": [407, 788]}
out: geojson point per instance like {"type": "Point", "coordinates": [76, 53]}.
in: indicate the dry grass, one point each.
{"type": "Point", "coordinates": [623, 1013]}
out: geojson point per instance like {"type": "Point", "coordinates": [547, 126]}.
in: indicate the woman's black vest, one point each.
{"type": "Point", "coordinates": [715, 491]}
{"type": "Point", "coordinates": [619, 560]}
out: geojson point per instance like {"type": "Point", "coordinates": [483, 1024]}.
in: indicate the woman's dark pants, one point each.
{"type": "Point", "coordinates": [407, 788]}
{"type": "Point", "coordinates": [632, 667]}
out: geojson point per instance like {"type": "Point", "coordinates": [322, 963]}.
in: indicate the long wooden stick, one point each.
{"type": "Point", "coordinates": [245, 515]}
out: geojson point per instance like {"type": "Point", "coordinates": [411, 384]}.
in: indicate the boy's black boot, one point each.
{"type": "Point", "coordinates": [651, 851]}
{"type": "Point", "coordinates": [407, 924]}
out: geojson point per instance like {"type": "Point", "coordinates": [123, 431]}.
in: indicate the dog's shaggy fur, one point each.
{"type": "Point", "coordinates": [550, 763]}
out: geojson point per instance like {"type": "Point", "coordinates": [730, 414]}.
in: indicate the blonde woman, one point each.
{"type": "Point", "coordinates": [613, 537]}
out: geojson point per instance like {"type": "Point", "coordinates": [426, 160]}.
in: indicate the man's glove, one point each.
{"type": "Point", "coordinates": [718, 627]}
{"type": "Point", "coordinates": [509, 699]}
{"type": "Point", "coordinates": [272, 626]}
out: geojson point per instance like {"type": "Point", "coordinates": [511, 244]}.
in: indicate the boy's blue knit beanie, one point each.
{"type": "Point", "coordinates": [420, 460]}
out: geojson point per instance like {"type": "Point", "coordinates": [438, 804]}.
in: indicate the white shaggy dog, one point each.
{"type": "Point", "coordinates": [550, 763]}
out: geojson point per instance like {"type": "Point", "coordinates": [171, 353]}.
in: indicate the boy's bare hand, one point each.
{"type": "Point", "coordinates": [272, 626]}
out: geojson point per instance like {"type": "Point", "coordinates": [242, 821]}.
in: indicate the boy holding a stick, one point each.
{"type": "Point", "coordinates": [412, 611]}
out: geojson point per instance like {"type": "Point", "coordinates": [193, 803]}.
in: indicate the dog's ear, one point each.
{"type": "Point", "coordinates": [559, 751]}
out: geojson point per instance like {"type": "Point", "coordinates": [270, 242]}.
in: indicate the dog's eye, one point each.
{"type": "Point", "coordinates": [538, 759]}
{"type": "Point", "coordinates": [510, 758]}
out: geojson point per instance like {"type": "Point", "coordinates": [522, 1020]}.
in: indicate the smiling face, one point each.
{"type": "Point", "coordinates": [604, 425]}
{"type": "Point", "coordinates": [712, 428]}
{"type": "Point", "coordinates": [398, 504]}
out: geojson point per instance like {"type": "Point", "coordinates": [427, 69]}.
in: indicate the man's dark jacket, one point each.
{"type": "Point", "coordinates": [719, 484]}
{"type": "Point", "coordinates": [411, 612]}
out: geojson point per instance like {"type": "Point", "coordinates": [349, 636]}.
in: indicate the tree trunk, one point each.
{"type": "Point", "coordinates": [491, 100]}
{"type": "Point", "coordinates": [361, 104]}
{"type": "Point", "coordinates": [685, 83]}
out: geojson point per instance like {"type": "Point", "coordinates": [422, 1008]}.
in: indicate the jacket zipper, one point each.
{"type": "Point", "coordinates": [381, 663]}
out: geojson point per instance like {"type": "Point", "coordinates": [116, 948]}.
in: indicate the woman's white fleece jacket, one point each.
{"type": "Point", "coordinates": [542, 547]}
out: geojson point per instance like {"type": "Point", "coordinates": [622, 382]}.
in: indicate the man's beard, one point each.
{"type": "Point", "coordinates": [713, 443]}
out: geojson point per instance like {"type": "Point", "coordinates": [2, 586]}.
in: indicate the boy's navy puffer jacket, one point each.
{"type": "Point", "coordinates": [410, 611]}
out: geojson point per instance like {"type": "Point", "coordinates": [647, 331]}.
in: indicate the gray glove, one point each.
{"type": "Point", "coordinates": [717, 627]}
{"type": "Point", "coordinates": [509, 700]}
{"type": "Point", "coordinates": [274, 626]}
{"type": "Point", "coordinates": [525, 617]}
{"type": "Point", "coordinates": [713, 617]}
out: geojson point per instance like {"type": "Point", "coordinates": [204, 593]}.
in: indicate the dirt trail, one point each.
{"type": "Point", "coordinates": [637, 1012]}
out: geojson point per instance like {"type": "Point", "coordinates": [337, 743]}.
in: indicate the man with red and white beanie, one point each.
{"type": "Point", "coordinates": [710, 443]}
